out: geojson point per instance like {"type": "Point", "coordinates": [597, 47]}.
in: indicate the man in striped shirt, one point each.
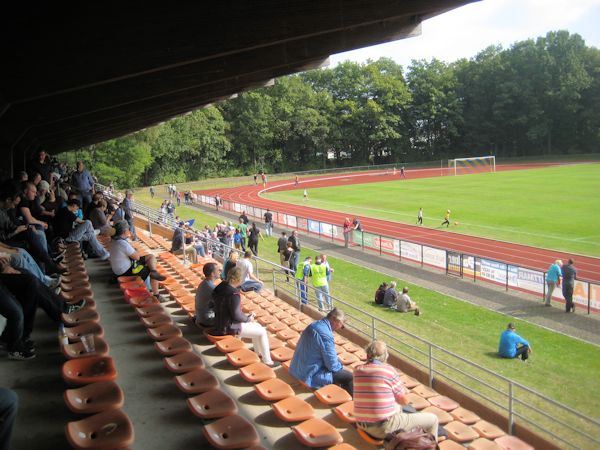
{"type": "Point", "coordinates": [377, 392]}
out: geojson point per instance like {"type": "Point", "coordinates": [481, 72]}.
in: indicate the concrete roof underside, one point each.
{"type": "Point", "coordinates": [78, 74]}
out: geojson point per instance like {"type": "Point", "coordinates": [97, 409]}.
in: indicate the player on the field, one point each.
{"type": "Point", "coordinates": [305, 195]}
{"type": "Point", "coordinates": [420, 217]}
{"type": "Point", "coordinates": [402, 175]}
{"type": "Point", "coordinates": [446, 219]}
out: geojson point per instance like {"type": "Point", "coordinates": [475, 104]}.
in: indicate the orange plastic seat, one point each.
{"type": "Point", "coordinates": [488, 430]}
{"type": "Point", "coordinates": [105, 430]}
{"type": "Point", "coordinates": [257, 372]}
{"type": "Point", "coordinates": [81, 316]}
{"type": "Point", "coordinates": [443, 402]}
{"type": "Point", "coordinates": [298, 327]}
{"type": "Point", "coordinates": [138, 292]}
{"type": "Point", "coordinates": [347, 358]}
{"type": "Point", "coordinates": [465, 416]}
{"type": "Point", "coordinates": [450, 445]}
{"type": "Point", "coordinates": [293, 409]}
{"type": "Point", "coordinates": [274, 343]}
{"type": "Point", "coordinates": [212, 404]}
{"type": "Point", "coordinates": [316, 433]}
{"type": "Point", "coordinates": [77, 350]}
{"type": "Point", "coordinates": [332, 394]}
{"type": "Point", "coordinates": [345, 412]}
{"type": "Point", "coordinates": [459, 432]}
{"type": "Point", "coordinates": [75, 285]}
{"type": "Point", "coordinates": [213, 337]}
{"type": "Point", "coordinates": [273, 390]}
{"type": "Point", "coordinates": [129, 279]}
{"type": "Point", "coordinates": [196, 381]}
{"type": "Point", "coordinates": [78, 372]}
{"type": "Point", "coordinates": [231, 432]}
{"type": "Point", "coordinates": [156, 320]}
{"type": "Point", "coordinates": [173, 346]}
{"type": "Point", "coordinates": [77, 294]}
{"type": "Point", "coordinates": [144, 300]}
{"type": "Point", "coordinates": [242, 357]}
{"type": "Point", "coordinates": [342, 446]}
{"type": "Point", "coordinates": [417, 401]}
{"type": "Point", "coordinates": [350, 347]}
{"type": "Point", "coordinates": [282, 354]}
{"type": "Point", "coordinates": [425, 392]}
{"type": "Point", "coordinates": [74, 333]}
{"type": "Point", "coordinates": [183, 362]}
{"type": "Point", "coordinates": [132, 285]}
{"type": "Point", "coordinates": [368, 438]}
{"type": "Point", "coordinates": [94, 397]}
{"type": "Point", "coordinates": [409, 382]}
{"type": "Point", "coordinates": [275, 327]}
{"type": "Point", "coordinates": [290, 321]}
{"type": "Point", "coordinates": [287, 334]}
{"type": "Point", "coordinates": [339, 340]}
{"type": "Point", "coordinates": [149, 310]}
{"type": "Point", "coordinates": [512, 443]}
{"type": "Point", "coordinates": [483, 444]}
{"type": "Point", "coordinates": [443, 416]}
{"type": "Point", "coordinates": [164, 332]}
{"type": "Point", "coordinates": [292, 343]}
{"type": "Point", "coordinates": [266, 320]}
{"type": "Point", "coordinates": [230, 345]}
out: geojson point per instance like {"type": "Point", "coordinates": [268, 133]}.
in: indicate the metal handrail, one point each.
{"type": "Point", "coordinates": [377, 326]}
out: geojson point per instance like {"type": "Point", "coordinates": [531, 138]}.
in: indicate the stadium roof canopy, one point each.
{"type": "Point", "coordinates": [74, 74]}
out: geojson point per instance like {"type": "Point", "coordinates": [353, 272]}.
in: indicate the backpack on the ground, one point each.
{"type": "Point", "coordinates": [415, 439]}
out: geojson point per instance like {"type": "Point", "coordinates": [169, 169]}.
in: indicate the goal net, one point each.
{"type": "Point", "coordinates": [479, 164]}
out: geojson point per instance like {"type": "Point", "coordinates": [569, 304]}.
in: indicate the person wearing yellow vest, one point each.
{"type": "Point", "coordinates": [302, 274]}
{"type": "Point", "coordinates": [318, 273]}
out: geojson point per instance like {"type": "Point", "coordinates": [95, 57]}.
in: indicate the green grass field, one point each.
{"type": "Point", "coordinates": [467, 330]}
{"type": "Point", "coordinates": [556, 207]}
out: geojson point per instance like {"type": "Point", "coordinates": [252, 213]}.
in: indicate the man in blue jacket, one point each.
{"type": "Point", "coordinates": [315, 361]}
{"type": "Point", "coordinates": [512, 345]}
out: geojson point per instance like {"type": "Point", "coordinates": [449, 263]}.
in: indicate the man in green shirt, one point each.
{"type": "Point", "coordinates": [243, 233]}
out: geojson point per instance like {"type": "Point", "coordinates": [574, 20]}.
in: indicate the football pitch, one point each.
{"type": "Point", "coordinates": [556, 207]}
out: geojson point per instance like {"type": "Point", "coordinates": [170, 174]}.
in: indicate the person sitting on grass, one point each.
{"type": "Point", "coordinates": [512, 345]}
{"type": "Point", "coordinates": [380, 293]}
{"type": "Point", "coordinates": [390, 297]}
{"type": "Point", "coordinates": [126, 261]}
{"type": "Point", "coordinates": [405, 304]}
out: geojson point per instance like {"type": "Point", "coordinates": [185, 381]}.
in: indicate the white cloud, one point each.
{"type": "Point", "coordinates": [465, 31]}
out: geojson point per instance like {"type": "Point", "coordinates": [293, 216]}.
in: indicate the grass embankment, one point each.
{"type": "Point", "coordinates": [555, 207]}
{"type": "Point", "coordinates": [562, 368]}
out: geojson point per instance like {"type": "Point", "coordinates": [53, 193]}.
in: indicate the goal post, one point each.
{"type": "Point", "coordinates": [477, 164]}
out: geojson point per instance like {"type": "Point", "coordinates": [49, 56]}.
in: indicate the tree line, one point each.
{"type": "Point", "coordinates": [538, 97]}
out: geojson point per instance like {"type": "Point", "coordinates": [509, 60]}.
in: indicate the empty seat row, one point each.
{"type": "Point", "coordinates": [90, 372]}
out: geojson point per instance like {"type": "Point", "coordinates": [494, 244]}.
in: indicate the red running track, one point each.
{"type": "Point", "coordinates": [537, 258]}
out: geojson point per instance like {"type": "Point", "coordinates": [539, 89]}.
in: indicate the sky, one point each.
{"type": "Point", "coordinates": [465, 31]}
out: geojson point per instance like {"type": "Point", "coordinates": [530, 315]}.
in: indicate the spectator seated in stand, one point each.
{"type": "Point", "coordinates": [73, 229]}
{"type": "Point", "coordinates": [229, 318]}
{"type": "Point", "coordinates": [249, 281]}
{"type": "Point", "coordinates": [20, 295]}
{"type": "Point", "coordinates": [178, 246]}
{"type": "Point", "coordinates": [100, 220]}
{"type": "Point", "coordinates": [125, 260]}
{"type": "Point", "coordinates": [315, 360]}
{"type": "Point", "coordinates": [205, 305]}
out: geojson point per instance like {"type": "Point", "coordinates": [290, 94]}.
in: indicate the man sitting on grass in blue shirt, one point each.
{"type": "Point", "coordinates": [512, 345]}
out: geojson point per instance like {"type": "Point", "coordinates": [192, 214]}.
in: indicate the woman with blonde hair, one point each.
{"type": "Point", "coordinates": [230, 263]}
{"type": "Point", "coordinates": [229, 318]}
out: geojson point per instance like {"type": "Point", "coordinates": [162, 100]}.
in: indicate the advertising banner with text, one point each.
{"type": "Point", "coordinates": [410, 251]}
